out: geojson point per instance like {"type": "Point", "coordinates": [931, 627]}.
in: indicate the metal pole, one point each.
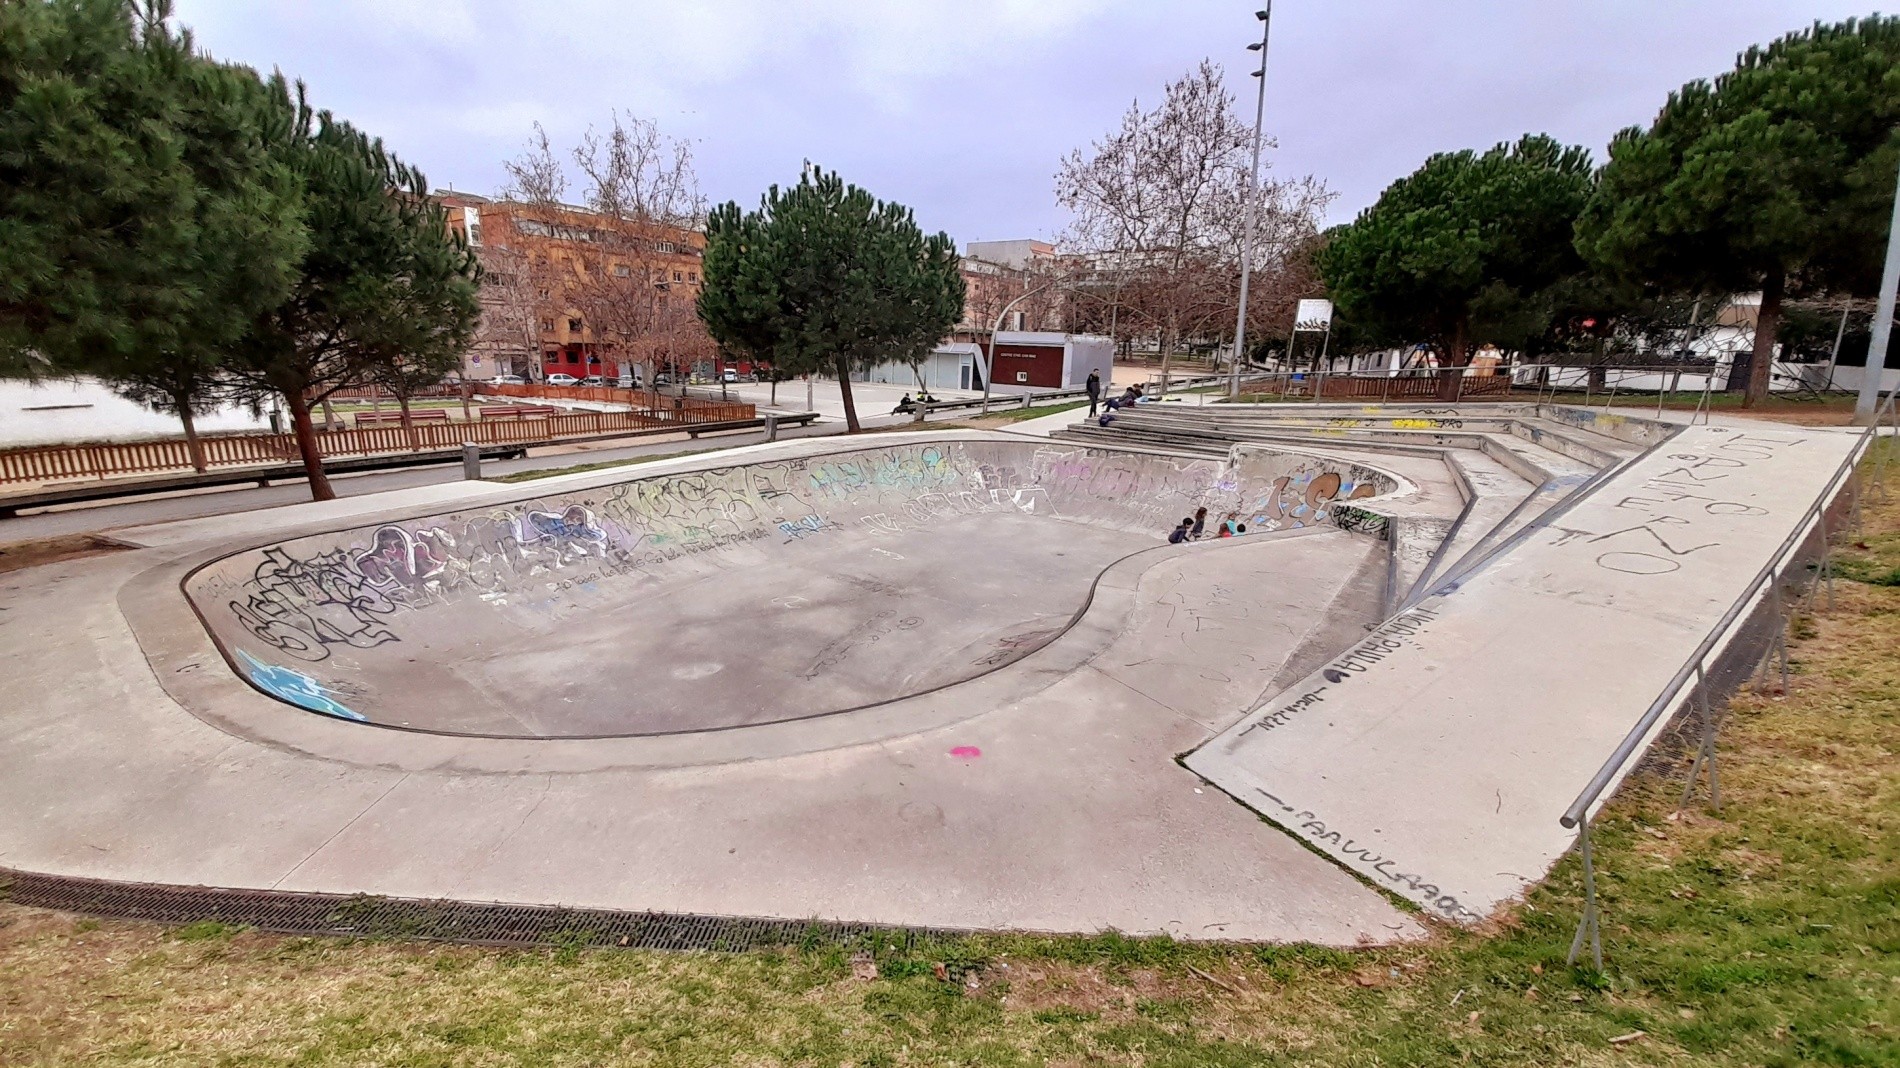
{"type": "Point", "coordinates": [1589, 922]}
{"type": "Point", "coordinates": [471, 461]}
{"type": "Point", "coordinates": [989, 362]}
{"type": "Point", "coordinates": [1864, 407]}
{"type": "Point", "coordinates": [1834, 357]}
{"type": "Point", "coordinates": [1253, 190]}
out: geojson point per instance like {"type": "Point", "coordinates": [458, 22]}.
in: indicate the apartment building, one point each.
{"type": "Point", "coordinates": [567, 290]}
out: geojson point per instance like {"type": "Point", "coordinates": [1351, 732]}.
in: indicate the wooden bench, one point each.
{"type": "Point", "coordinates": [417, 415]}
{"type": "Point", "coordinates": [518, 411]}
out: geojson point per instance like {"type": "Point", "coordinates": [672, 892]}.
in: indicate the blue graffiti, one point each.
{"type": "Point", "coordinates": [297, 688]}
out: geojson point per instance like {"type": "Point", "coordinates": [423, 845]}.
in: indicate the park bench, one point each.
{"type": "Point", "coordinates": [518, 411]}
{"type": "Point", "coordinates": [417, 415]}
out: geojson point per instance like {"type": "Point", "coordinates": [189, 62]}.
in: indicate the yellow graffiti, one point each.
{"type": "Point", "coordinates": [1415, 424]}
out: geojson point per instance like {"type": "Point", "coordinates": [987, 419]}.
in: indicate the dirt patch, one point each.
{"type": "Point", "coordinates": [15, 556]}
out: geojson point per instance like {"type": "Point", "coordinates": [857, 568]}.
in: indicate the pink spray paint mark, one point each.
{"type": "Point", "coordinates": [966, 752]}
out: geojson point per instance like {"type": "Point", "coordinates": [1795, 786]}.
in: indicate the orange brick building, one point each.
{"type": "Point", "coordinates": [571, 291]}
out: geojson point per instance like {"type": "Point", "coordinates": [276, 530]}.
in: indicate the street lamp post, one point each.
{"type": "Point", "coordinates": [989, 362]}
{"type": "Point", "coordinates": [1866, 405]}
{"type": "Point", "coordinates": [1253, 187]}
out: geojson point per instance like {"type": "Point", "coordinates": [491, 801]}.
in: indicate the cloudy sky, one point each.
{"type": "Point", "coordinates": [963, 108]}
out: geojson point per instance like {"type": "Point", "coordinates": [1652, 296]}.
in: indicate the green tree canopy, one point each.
{"type": "Point", "coordinates": [1464, 235]}
{"type": "Point", "coordinates": [825, 274]}
{"type": "Point", "coordinates": [1780, 174]}
{"type": "Point", "coordinates": [384, 280]}
{"type": "Point", "coordinates": [142, 214]}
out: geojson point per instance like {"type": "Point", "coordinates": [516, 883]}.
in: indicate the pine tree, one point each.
{"type": "Point", "coordinates": [1465, 234]}
{"type": "Point", "coordinates": [1777, 176]}
{"type": "Point", "coordinates": [826, 275]}
{"type": "Point", "coordinates": [143, 220]}
{"type": "Point", "coordinates": [384, 280]}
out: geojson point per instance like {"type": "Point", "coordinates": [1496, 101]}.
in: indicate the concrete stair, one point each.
{"type": "Point", "coordinates": [1483, 473]}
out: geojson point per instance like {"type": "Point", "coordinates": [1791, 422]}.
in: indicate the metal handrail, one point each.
{"type": "Point", "coordinates": [1624, 750]}
{"type": "Point", "coordinates": [1578, 816]}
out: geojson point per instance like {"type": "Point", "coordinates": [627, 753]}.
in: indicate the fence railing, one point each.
{"type": "Point", "coordinates": [56, 463]}
{"type": "Point", "coordinates": [1409, 384]}
{"type": "Point", "coordinates": [652, 400]}
{"type": "Point", "coordinates": [1768, 584]}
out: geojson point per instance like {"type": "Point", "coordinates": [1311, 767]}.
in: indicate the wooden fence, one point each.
{"type": "Point", "coordinates": [52, 463]}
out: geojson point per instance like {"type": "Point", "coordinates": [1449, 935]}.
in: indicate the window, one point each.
{"type": "Point", "coordinates": [574, 325]}
{"type": "Point", "coordinates": [621, 270]}
{"type": "Point", "coordinates": [692, 276]}
{"type": "Point", "coordinates": [573, 357]}
{"type": "Point", "coordinates": [548, 325]}
{"type": "Point", "coordinates": [678, 277]}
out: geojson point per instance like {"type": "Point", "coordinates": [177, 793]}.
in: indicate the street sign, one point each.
{"type": "Point", "coordinates": [1313, 315]}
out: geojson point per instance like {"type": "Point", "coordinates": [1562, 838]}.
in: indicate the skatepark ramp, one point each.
{"type": "Point", "coordinates": [1595, 562]}
{"type": "Point", "coordinates": [716, 599]}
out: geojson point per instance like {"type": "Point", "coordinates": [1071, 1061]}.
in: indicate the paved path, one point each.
{"type": "Point", "coordinates": [1436, 755]}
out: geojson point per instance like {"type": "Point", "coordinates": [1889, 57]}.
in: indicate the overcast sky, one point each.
{"type": "Point", "coordinates": [963, 108]}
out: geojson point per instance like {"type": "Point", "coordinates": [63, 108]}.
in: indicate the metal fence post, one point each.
{"type": "Point", "coordinates": [771, 428]}
{"type": "Point", "coordinates": [1705, 753]}
{"type": "Point", "coordinates": [1587, 925]}
{"type": "Point", "coordinates": [471, 461]}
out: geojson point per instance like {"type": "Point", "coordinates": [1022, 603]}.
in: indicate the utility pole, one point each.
{"type": "Point", "coordinates": [1253, 195]}
{"type": "Point", "coordinates": [1869, 401]}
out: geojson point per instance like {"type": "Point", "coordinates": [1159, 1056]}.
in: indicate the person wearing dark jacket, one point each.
{"type": "Point", "coordinates": [1094, 386]}
{"type": "Point", "coordinates": [1181, 533]}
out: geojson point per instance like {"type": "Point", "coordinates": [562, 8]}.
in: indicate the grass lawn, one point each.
{"type": "Point", "coordinates": [1766, 935]}
{"type": "Point", "coordinates": [978, 421]}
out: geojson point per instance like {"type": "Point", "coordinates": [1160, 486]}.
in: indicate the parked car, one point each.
{"type": "Point", "coordinates": [662, 379]}
{"type": "Point", "coordinates": [731, 375]}
{"type": "Point", "coordinates": [509, 380]}
{"type": "Point", "coordinates": [558, 379]}
{"type": "Point", "coordinates": [593, 380]}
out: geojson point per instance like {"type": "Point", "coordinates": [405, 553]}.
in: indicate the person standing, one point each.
{"type": "Point", "coordinates": [1094, 386]}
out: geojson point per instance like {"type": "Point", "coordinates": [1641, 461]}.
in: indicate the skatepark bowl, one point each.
{"type": "Point", "coordinates": [721, 599]}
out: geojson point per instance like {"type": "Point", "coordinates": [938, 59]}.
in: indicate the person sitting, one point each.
{"type": "Point", "coordinates": [904, 406]}
{"type": "Point", "coordinates": [1182, 532]}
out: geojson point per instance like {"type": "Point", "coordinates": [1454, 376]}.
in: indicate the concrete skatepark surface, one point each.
{"type": "Point", "coordinates": [906, 782]}
{"type": "Point", "coordinates": [735, 596]}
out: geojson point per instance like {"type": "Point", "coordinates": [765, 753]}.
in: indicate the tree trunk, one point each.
{"type": "Point", "coordinates": [464, 389]}
{"type": "Point", "coordinates": [1761, 366]}
{"type": "Point", "coordinates": [307, 445]}
{"type": "Point", "coordinates": [844, 388]}
{"type": "Point", "coordinates": [193, 447]}
{"type": "Point", "coordinates": [1456, 355]}
{"type": "Point", "coordinates": [774, 401]}
{"type": "Point", "coordinates": [1167, 356]}
{"type": "Point", "coordinates": [329, 415]}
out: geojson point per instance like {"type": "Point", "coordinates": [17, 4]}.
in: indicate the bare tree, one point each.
{"type": "Point", "coordinates": [1157, 213]}
{"type": "Point", "coordinates": [512, 281]}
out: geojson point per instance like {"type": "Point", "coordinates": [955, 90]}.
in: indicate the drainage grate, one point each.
{"type": "Point", "coordinates": [358, 916]}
